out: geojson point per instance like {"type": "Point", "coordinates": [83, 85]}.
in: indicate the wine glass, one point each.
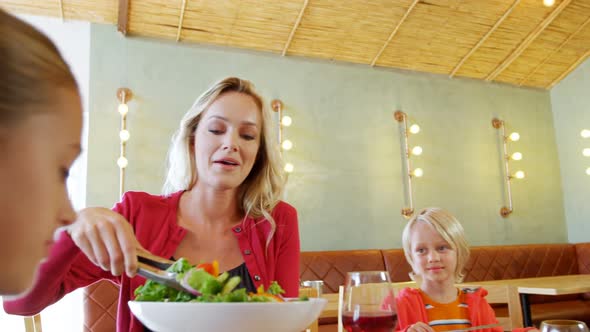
{"type": "Point", "coordinates": [369, 304]}
{"type": "Point", "coordinates": [563, 325]}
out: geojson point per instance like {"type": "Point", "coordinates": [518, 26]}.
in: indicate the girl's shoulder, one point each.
{"type": "Point", "coordinates": [283, 207]}
{"type": "Point", "coordinates": [146, 202]}
{"type": "Point", "coordinates": [142, 196]}
{"type": "Point", "coordinates": [284, 213]}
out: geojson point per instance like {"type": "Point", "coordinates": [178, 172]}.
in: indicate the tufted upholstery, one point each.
{"type": "Point", "coordinates": [100, 307]}
{"type": "Point", "coordinates": [332, 266]}
{"type": "Point", "coordinates": [396, 264]}
{"type": "Point", "coordinates": [523, 261]}
{"type": "Point", "coordinates": [583, 256]}
{"type": "Point", "coordinates": [486, 263]}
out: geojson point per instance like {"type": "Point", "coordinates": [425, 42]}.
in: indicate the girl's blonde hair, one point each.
{"type": "Point", "coordinates": [31, 67]}
{"type": "Point", "coordinates": [448, 227]}
{"type": "Point", "coordinates": [262, 189]}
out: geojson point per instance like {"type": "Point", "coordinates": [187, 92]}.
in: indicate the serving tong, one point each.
{"type": "Point", "coordinates": [154, 268]}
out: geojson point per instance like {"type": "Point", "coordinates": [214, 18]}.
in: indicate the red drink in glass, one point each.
{"type": "Point", "coordinates": [369, 322]}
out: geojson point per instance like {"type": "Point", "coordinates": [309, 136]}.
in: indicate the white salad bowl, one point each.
{"type": "Point", "coordinates": [290, 316]}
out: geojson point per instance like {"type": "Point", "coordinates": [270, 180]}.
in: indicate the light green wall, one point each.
{"type": "Point", "coordinates": [571, 112]}
{"type": "Point", "coordinates": [347, 184]}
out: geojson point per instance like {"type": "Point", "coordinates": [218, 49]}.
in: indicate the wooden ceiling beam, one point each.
{"type": "Point", "coordinates": [394, 32]}
{"type": "Point", "coordinates": [295, 26]}
{"type": "Point", "coordinates": [569, 70]}
{"type": "Point", "coordinates": [528, 40]}
{"type": "Point", "coordinates": [554, 51]}
{"type": "Point", "coordinates": [123, 19]}
{"type": "Point", "coordinates": [180, 19]}
{"type": "Point", "coordinates": [484, 38]}
{"type": "Point", "coordinates": [61, 10]}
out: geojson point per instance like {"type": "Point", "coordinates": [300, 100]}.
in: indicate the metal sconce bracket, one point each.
{"type": "Point", "coordinates": [123, 96]}
{"type": "Point", "coordinates": [284, 121]}
{"type": "Point", "coordinates": [401, 118]}
{"type": "Point", "coordinates": [498, 124]}
{"type": "Point", "coordinates": [277, 106]}
{"type": "Point", "coordinates": [585, 133]}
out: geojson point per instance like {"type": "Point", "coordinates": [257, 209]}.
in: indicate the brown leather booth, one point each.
{"type": "Point", "coordinates": [486, 263]}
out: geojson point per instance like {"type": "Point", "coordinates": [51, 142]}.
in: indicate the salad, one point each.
{"type": "Point", "coordinates": [206, 285]}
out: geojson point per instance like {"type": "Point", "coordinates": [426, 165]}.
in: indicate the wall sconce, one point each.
{"type": "Point", "coordinates": [284, 121]}
{"type": "Point", "coordinates": [401, 117]}
{"type": "Point", "coordinates": [505, 211]}
{"type": "Point", "coordinates": [123, 96]}
{"type": "Point", "coordinates": [585, 133]}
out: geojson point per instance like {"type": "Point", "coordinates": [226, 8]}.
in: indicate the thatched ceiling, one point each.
{"type": "Point", "coordinates": [519, 42]}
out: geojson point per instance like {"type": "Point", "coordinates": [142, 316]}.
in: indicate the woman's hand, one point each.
{"type": "Point", "coordinates": [107, 239]}
{"type": "Point", "coordinates": [420, 327]}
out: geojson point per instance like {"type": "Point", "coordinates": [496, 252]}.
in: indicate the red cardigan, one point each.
{"type": "Point", "coordinates": [154, 220]}
{"type": "Point", "coordinates": [411, 309]}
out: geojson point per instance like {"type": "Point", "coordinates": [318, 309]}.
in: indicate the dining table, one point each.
{"type": "Point", "coordinates": [554, 285]}
{"type": "Point", "coordinates": [331, 308]}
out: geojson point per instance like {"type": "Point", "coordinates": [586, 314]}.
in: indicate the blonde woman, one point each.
{"type": "Point", "coordinates": [221, 202]}
{"type": "Point", "coordinates": [435, 246]}
{"type": "Point", "coordinates": [40, 129]}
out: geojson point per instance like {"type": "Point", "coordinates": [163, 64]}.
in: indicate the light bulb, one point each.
{"type": "Point", "coordinates": [289, 167]}
{"type": "Point", "coordinates": [514, 136]}
{"type": "Point", "coordinates": [286, 121]}
{"type": "Point", "coordinates": [588, 170]}
{"type": "Point", "coordinates": [586, 152]}
{"type": "Point", "coordinates": [417, 150]}
{"type": "Point", "coordinates": [287, 145]}
{"type": "Point", "coordinates": [516, 156]}
{"type": "Point", "coordinates": [585, 133]}
{"type": "Point", "coordinates": [418, 172]}
{"type": "Point", "coordinates": [414, 129]}
{"type": "Point", "coordinates": [122, 162]}
{"type": "Point", "coordinates": [519, 175]}
{"type": "Point", "coordinates": [124, 135]}
{"type": "Point", "coordinates": [123, 109]}
{"type": "Point", "coordinates": [548, 3]}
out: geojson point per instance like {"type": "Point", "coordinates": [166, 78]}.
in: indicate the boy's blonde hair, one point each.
{"type": "Point", "coordinates": [448, 227]}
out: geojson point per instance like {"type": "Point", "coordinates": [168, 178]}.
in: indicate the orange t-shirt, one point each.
{"type": "Point", "coordinates": [447, 316]}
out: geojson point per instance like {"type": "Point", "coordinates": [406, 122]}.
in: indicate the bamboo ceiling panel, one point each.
{"type": "Point", "coordinates": [351, 31]}
{"type": "Point", "coordinates": [98, 11]}
{"type": "Point", "coordinates": [508, 36]}
{"type": "Point", "coordinates": [519, 42]}
{"type": "Point", "coordinates": [557, 47]}
{"type": "Point", "coordinates": [229, 23]}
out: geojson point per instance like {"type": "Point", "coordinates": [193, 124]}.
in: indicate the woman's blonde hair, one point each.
{"type": "Point", "coordinates": [448, 227]}
{"type": "Point", "coordinates": [263, 187]}
{"type": "Point", "coordinates": [31, 68]}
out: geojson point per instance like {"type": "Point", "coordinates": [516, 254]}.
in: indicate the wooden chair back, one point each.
{"type": "Point", "coordinates": [310, 292]}
{"type": "Point", "coordinates": [506, 294]}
